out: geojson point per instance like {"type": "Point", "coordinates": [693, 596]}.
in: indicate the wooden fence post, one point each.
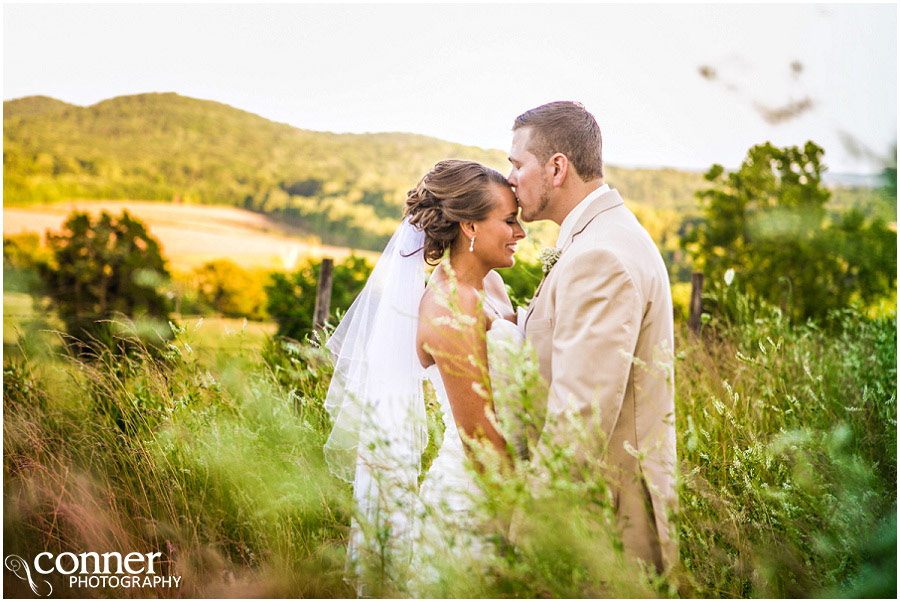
{"type": "Point", "coordinates": [696, 301]}
{"type": "Point", "coordinates": [323, 295]}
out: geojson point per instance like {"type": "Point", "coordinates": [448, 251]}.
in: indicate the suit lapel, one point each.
{"type": "Point", "coordinates": [604, 202]}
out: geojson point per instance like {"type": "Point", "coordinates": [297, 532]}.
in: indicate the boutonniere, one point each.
{"type": "Point", "coordinates": [549, 257]}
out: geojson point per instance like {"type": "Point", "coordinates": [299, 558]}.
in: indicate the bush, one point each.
{"type": "Point", "coordinates": [104, 273]}
{"type": "Point", "coordinates": [230, 290]}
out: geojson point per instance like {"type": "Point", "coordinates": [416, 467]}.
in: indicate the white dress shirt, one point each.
{"type": "Point", "coordinates": [565, 228]}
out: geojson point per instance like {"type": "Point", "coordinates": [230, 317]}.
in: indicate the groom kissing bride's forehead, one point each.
{"type": "Point", "coordinates": [601, 323]}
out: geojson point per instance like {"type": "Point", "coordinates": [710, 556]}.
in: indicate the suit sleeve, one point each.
{"type": "Point", "coordinates": [595, 333]}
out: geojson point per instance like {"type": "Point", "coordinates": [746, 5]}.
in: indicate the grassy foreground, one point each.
{"type": "Point", "coordinates": [786, 438]}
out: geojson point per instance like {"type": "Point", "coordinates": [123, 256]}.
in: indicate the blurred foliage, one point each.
{"type": "Point", "coordinates": [877, 575]}
{"type": "Point", "coordinates": [874, 203]}
{"type": "Point", "coordinates": [656, 189]}
{"type": "Point", "coordinates": [786, 429]}
{"type": "Point", "coordinates": [230, 290]}
{"type": "Point", "coordinates": [889, 176]}
{"type": "Point", "coordinates": [522, 281]}
{"type": "Point", "coordinates": [186, 299]}
{"type": "Point", "coordinates": [292, 297]}
{"type": "Point", "coordinates": [22, 254]}
{"type": "Point", "coordinates": [768, 221]}
{"type": "Point", "coordinates": [103, 273]}
{"type": "Point", "coordinates": [208, 462]}
{"type": "Point", "coordinates": [23, 251]}
{"type": "Point", "coordinates": [878, 202]}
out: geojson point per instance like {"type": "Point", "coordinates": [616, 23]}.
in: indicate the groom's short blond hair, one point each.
{"type": "Point", "coordinates": [565, 127]}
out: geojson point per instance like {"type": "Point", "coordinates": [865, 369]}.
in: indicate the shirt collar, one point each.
{"type": "Point", "coordinates": [565, 228]}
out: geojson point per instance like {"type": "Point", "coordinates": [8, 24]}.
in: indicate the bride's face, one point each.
{"type": "Point", "coordinates": [496, 235]}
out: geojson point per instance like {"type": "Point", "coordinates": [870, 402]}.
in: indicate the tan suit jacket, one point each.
{"type": "Point", "coordinates": [601, 324]}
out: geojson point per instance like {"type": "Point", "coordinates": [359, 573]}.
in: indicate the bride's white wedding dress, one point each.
{"type": "Point", "coordinates": [447, 513]}
{"type": "Point", "coordinates": [376, 402]}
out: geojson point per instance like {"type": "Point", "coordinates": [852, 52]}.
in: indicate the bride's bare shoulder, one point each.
{"type": "Point", "coordinates": [449, 316]}
{"type": "Point", "coordinates": [442, 300]}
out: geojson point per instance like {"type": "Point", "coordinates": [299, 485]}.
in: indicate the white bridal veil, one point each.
{"type": "Point", "coordinates": [375, 398]}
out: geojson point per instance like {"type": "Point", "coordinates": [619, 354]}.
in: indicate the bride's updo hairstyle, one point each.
{"type": "Point", "coordinates": [453, 191]}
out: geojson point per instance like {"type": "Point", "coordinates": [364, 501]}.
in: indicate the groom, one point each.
{"type": "Point", "coordinates": [601, 323]}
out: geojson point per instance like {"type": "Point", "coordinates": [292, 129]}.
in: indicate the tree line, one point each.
{"type": "Point", "coordinates": [764, 227]}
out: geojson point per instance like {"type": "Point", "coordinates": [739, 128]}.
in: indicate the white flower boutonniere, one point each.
{"type": "Point", "coordinates": [549, 257]}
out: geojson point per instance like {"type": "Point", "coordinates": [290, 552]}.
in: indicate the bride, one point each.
{"type": "Point", "coordinates": [397, 334]}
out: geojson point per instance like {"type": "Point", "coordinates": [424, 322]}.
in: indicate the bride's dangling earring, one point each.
{"type": "Point", "coordinates": [471, 244]}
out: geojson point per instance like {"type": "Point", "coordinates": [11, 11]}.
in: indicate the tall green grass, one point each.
{"type": "Point", "coordinates": [215, 464]}
{"type": "Point", "coordinates": [787, 486]}
{"type": "Point", "coordinates": [788, 448]}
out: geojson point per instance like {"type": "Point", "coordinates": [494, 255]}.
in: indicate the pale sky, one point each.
{"type": "Point", "coordinates": [463, 72]}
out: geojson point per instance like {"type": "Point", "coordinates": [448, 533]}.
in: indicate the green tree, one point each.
{"type": "Point", "coordinates": [230, 289]}
{"type": "Point", "coordinates": [292, 297]}
{"type": "Point", "coordinates": [768, 222]}
{"type": "Point", "coordinates": [102, 270]}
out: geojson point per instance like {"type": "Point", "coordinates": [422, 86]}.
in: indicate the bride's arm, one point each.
{"type": "Point", "coordinates": [456, 340]}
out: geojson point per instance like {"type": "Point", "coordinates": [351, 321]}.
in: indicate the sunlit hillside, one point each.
{"type": "Point", "coordinates": [348, 189]}
{"type": "Point", "coordinates": [341, 190]}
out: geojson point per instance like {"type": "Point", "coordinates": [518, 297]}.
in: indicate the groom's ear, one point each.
{"type": "Point", "coordinates": [559, 167]}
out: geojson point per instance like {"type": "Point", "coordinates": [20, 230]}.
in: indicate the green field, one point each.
{"type": "Point", "coordinates": [212, 454]}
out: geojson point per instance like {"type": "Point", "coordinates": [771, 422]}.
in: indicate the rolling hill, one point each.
{"type": "Point", "coordinates": [165, 147]}
{"type": "Point", "coordinates": [34, 105]}
{"type": "Point", "coordinates": [347, 189]}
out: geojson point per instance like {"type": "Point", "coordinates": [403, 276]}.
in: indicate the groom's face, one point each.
{"type": "Point", "coordinates": [531, 184]}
